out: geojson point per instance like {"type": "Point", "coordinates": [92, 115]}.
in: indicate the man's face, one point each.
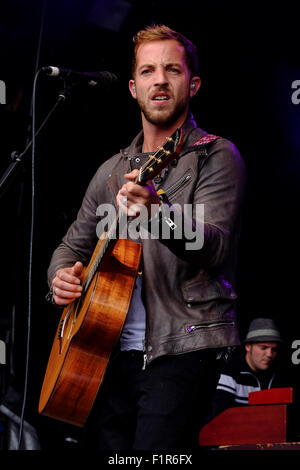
{"type": "Point", "coordinates": [260, 356]}
{"type": "Point", "coordinates": [162, 82]}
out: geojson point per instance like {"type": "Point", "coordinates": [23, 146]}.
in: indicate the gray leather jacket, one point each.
{"type": "Point", "coordinates": [189, 294]}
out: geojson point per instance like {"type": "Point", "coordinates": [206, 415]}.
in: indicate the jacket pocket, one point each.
{"type": "Point", "coordinates": [179, 185]}
{"type": "Point", "coordinates": [195, 292]}
{"type": "Point", "coordinates": [220, 324]}
{"type": "Point", "coordinates": [209, 305]}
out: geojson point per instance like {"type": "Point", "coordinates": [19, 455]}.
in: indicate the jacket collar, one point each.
{"type": "Point", "coordinates": [191, 134]}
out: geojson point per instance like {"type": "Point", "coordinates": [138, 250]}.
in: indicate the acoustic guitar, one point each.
{"type": "Point", "coordinates": [90, 326]}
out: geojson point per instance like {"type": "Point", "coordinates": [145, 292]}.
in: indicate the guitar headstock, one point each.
{"type": "Point", "coordinates": [162, 157]}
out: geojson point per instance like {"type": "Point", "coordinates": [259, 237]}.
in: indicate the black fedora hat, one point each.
{"type": "Point", "coordinates": [262, 329]}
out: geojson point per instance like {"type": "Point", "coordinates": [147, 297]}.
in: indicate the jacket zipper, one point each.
{"type": "Point", "coordinates": [254, 376]}
{"type": "Point", "coordinates": [193, 328]}
{"type": "Point", "coordinates": [178, 185]}
{"type": "Point", "coordinates": [258, 381]}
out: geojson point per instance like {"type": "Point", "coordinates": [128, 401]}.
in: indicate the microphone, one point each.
{"type": "Point", "coordinates": [91, 78]}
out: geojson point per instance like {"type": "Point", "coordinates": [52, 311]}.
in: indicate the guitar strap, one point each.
{"type": "Point", "coordinates": [207, 139]}
{"type": "Point", "coordinates": [202, 147]}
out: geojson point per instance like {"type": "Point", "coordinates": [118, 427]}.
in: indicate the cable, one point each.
{"type": "Point", "coordinates": [43, 16]}
{"type": "Point", "coordinates": [32, 115]}
{"type": "Point", "coordinates": [30, 262]}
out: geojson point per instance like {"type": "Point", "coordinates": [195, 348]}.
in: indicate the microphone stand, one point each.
{"type": "Point", "coordinates": [17, 158]}
{"type": "Point", "coordinates": [6, 179]}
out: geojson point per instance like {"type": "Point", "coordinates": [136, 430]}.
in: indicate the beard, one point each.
{"type": "Point", "coordinates": [164, 117]}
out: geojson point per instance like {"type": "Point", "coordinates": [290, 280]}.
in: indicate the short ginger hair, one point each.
{"type": "Point", "coordinates": [159, 32]}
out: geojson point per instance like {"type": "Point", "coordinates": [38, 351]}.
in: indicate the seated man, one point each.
{"type": "Point", "coordinates": [254, 369]}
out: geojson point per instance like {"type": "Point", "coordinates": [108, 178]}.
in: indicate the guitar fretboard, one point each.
{"type": "Point", "coordinates": [111, 234]}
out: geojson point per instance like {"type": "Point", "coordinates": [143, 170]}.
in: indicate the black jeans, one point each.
{"type": "Point", "coordinates": [159, 408]}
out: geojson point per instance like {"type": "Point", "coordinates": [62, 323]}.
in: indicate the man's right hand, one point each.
{"type": "Point", "coordinates": [66, 285]}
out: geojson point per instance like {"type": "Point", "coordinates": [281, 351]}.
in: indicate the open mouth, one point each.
{"type": "Point", "coordinates": [160, 97]}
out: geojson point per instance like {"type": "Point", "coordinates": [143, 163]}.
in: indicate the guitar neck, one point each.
{"type": "Point", "coordinates": [107, 239]}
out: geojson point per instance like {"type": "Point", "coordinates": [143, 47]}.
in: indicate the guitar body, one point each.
{"type": "Point", "coordinates": [89, 329]}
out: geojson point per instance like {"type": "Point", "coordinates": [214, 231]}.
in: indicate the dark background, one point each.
{"type": "Point", "coordinates": [249, 58]}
